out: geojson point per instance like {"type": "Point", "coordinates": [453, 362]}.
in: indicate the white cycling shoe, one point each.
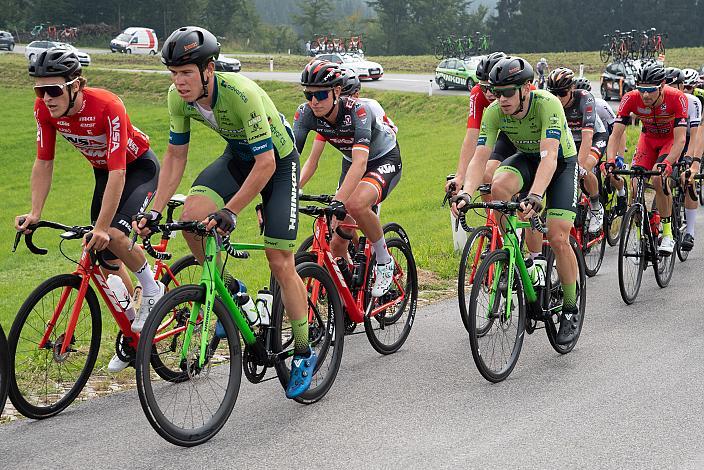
{"type": "Point", "coordinates": [145, 308]}
{"type": "Point", "coordinates": [384, 276]}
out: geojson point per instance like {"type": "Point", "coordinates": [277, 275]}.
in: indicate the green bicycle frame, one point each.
{"type": "Point", "coordinates": [513, 247]}
{"type": "Point", "coordinates": [212, 282]}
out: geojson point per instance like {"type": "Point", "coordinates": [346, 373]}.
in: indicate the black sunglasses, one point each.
{"type": "Point", "coordinates": [562, 92]}
{"type": "Point", "coordinates": [484, 88]}
{"type": "Point", "coordinates": [320, 95]}
{"type": "Point", "coordinates": [507, 92]}
{"type": "Point", "coordinates": [53, 90]}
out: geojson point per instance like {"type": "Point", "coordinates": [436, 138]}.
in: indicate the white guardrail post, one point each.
{"type": "Point", "coordinates": [430, 87]}
{"type": "Point", "coordinates": [271, 64]}
{"type": "Point", "coordinates": [581, 70]}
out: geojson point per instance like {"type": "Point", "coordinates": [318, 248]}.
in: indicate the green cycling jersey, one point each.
{"type": "Point", "coordinates": [242, 113]}
{"type": "Point", "coordinates": [699, 93]}
{"type": "Point", "coordinates": [545, 120]}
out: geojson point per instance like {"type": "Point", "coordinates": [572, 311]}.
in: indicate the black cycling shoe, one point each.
{"type": "Point", "coordinates": [569, 325]}
{"type": "Point", "coordinates": [687, 242]}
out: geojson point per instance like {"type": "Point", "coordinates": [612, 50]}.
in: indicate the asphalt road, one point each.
{"type": "Point", "coordinates": [628, 396]}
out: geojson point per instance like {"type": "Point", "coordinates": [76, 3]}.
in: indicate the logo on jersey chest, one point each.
{"type": "Point", "coordinates": [348, 120]}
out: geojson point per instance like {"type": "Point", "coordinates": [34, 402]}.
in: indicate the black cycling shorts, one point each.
{"type": "Point", "coordinates": [382, 173]}
{"type": "Point", "coordinates": [503, 148]}
{"type": "Point", "coordinates": [141, 177]}
{"type": "Point", "coordinates": [561, 194]}
{"type": "Point", "coordinates": [221, 180]}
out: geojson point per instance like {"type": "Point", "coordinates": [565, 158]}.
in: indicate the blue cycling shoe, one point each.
{"type": "Point", "coordinates": [302, 368]}
{"type": "Point", "coordinates": [220, 330]}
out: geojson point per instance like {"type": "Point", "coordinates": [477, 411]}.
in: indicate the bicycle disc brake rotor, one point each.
{"type": "Point", "coordinates": [56, 349]}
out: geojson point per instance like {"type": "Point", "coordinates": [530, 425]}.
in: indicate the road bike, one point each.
{"type": "Point", "coordinates": [55, 337]}
{"type": "Point", "coordinates": [206, 353]}
{"type": "Point", "coordinates": [679, 218]}
{"type": "Point", "coordinates": [592, 245]}
{"type": "Point", "coordinates": [504, 304]}
{"type": "Point", "coordinates": [639, 239]}
{"type": "Point", "coordinates": [613, 212]}
{"type": "Point", "coordinates": [387, 319]}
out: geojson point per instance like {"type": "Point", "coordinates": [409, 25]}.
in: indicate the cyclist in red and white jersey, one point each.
{"type": "Point", "coordinates": [662, 111]}
{"type": "Point", "coordinates": [126, 170]}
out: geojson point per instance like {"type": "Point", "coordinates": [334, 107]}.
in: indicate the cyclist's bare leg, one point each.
{"type": "Point", "coordinates": [293, 292]}
{"type": "Point", "coordinates": [491, 167]}
{"type": "Point", "coordinates": [196, 207]}
{"type": "Point", "coordinates": [559, 238]}
{"type": "Point", "coordinates": [338, 245]}
{"type": "Point", "coordinates": [359, 206]}
{"type": "Point", "coordinates": [591, 184]}
{"type": "Point", "coordinates": [663, 202]}
{"type": "Point", "coordinates": [120, 246]}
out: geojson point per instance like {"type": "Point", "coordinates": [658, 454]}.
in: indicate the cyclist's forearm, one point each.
{"type": "Point", "coordinates": [170, 176]}
{"type": "Point", "coordinates": [111, 199]}
{"type": "Point", "coordinates": [262, 171]}
{"type": "Point", "coordinates": [615, 141]}
{"type": "Point", "coordinates": [311, 163]}
{"type": "Point", "coordinates": [544, 173]}
{"type": "Point", "coordinates": [693, 141]}
{"type": "Point", "coordinates": [469, 146]}
{"type": "Point", "coordinates": [42, 173]}
{"type": "Point", "coordinates": [476, 168]}
{"type": "Point", "coordinates": [678, 144]}
{"type": "Point", "coordinates": [586, 146]}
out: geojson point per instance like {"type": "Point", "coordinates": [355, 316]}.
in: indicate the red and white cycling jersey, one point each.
{"type": "Point", "coordinates": [101, 130]}
{"type": "Point", "coordinates": [658, 121]}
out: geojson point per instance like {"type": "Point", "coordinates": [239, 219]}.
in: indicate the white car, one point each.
{"type": "Point", "coordinates": [35, 48]}
{"type": "Point", "coordinates": [227, 64]}
{"type": "Point", "coordinates": [362, 67]}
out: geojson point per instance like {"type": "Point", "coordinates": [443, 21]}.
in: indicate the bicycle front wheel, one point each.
{"type": "Point", "coordinates": [496, 351]}
{"type": "Point", "coordinates": [475, 249]}
{"type": "Point", "coordinates": [631, 254]}
{"type": "Point", "coordinates": [4, 369]}
{"type": "Point", "coordinates": [326, 331]}
{"type": "Point", "coordinates": [593, 249]}
{"type": "Point", "coordinates": [43, 381]}
{"type": "Point", "coordinates": [193, 409]}
{"type": "Point", "coordinates": [389, 328]}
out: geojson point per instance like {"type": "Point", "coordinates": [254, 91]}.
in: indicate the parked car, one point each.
{"type": "Point", "coordinates": [35, 48]}
{"type": "Point", "coordinates": [7, 41]}
{"type": "Point", "coordinates": [618, 79]}
{"type": "Point", "coordinates": [227, 64]}
{"type": "Point", "coordinates": [365, 69]}
{"type": "Point", "coordinates": [136, 40]}
{"type": "Point", "coordinates": [457, 73]}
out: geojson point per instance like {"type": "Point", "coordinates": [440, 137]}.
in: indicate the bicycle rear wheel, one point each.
{"type": "Point", "coordinates": [664, 267]}
{"type": "Point", "coordinates": [185, 270]}
{"type": "Point", "coordinates": [326, 330]}
{"type": "Point", "coordinates": [43, 382]}
{"type": "Point", "coordinates": [593, 249]}
{"type": "Point", "coordinates": [552, 301]}
{"type": "Point", "coordinates": [389, 329]}
{"type": "Point", "coordinates": [613, 217]}
{"type": "Point", "coordinates": [605, 53]}
{"type": "Point", "coordinates": [631, 254]}
{"type": "Point", "coordinates": [475, 249]}
{"type": "Point", "coordinates": [679, 225]}
{"type": "Point", "coordinates": [192, 410]}
{"type": "Point", "coordinates": [496, 351]}
{"type": "Point", "coordinates": [4, 369]}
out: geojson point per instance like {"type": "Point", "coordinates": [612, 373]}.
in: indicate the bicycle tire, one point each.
{"type": "Point", "coordinates": [594, 255]}
{"type": "Point", "coordinates": [439, 51]}
{"type": "Point", "coordinates": [629, 227]}
{"type": "Point", "coordinates": [605, 53]}
{"type": "Point", "coordinates": [664, 266]}
{"type": "Point", "coordinates": [554, 288]}
{"type": "Point", "coordinates": [502, 258]}
{"type": "Point", "coordinates": [700, 187]}
{"type": "Point", "coordinates": [4, 369]}
{"type": "Point", "coordinates": [373, 326]}
{"type": "Point", "coordinates": [614, 221]}
{"type": "Point", "coordinates": [147, 390]}
{"type": "Point", "coordinates": [18, 392]}
{"type": "Point", "coordinates": [331, 342]}
{"type": "Point", "coordinates": [481, 236]}
{"type": "Point", "coordinates": [180, 266]}
{"type": "Point", "coordinates": [678, 223]}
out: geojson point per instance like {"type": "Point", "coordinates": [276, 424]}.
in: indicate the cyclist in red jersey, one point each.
{"type": "Point", "coordinates": [126, 170]}
{"type": "Point", "coordinates": [662, 111]}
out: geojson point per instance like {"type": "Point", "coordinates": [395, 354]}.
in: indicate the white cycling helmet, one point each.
{"type": "Point", "coordinates": [691, 77]}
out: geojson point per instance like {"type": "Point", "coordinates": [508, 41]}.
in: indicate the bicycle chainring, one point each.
{"type": "Point", "coordinates": [125, 352]}
{"type": "Point", "coordinates": [252, 367]}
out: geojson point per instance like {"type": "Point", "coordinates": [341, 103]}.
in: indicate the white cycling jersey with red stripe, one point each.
{"type": "Point", "coordinates": [358, 126]}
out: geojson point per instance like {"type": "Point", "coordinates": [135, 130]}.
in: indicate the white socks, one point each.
{"type": "Point", "coordinates": [381, 252]}
{"type": "Point", "coordinates": [145, 276]}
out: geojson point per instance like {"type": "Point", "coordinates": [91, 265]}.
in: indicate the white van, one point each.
{"type": "Point", "coordinates": [136, 41]}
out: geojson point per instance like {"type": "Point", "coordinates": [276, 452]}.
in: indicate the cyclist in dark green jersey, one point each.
{"type": "Point", "coordinates": [545, 164]}
{"type": "Point", "coordinates": [259, 158]}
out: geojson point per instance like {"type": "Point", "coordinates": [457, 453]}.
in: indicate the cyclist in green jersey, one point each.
{"type": "Point", "coordinates": [545, 164]}
{"type": "Point", "coordinates": [259, 158]}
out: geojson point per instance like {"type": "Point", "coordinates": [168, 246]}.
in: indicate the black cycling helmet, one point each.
{"type": "Point", "coordinates": [350, 83]}
{"type": "Point", "coordinates": [651, 74]}
{"type": "Point", "coordinates": [190, 45]}
{"type": "Point", "coordinates": [56, 62]}
{"type": "Point", "coordinates": [582, 83]}
{"type": "Point", "coordinates": [673, 76]}
{"type": "Point", "coordinates": [511, 71]}
{"type": "Point", "coordinates": [487, 63]}
{"type": "Point", "coordinates": [321, 73]}
{"type": "Point", "coordinates": [560, 78]}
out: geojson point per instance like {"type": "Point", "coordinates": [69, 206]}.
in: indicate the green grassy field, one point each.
{"type": "Point", "coordinates": [430, 136]}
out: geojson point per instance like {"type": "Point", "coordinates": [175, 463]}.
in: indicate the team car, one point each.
{"type": "Point", "coordinates": [457, 73]}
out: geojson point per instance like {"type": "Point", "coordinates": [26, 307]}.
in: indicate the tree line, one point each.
{"type": "Point", "coordinates": [391, 27]}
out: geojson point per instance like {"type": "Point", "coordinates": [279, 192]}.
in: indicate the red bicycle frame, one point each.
{"type": "Point", "coordinates": [354, 306]}
{"type": "Point", "coordinates": [578, 234]}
